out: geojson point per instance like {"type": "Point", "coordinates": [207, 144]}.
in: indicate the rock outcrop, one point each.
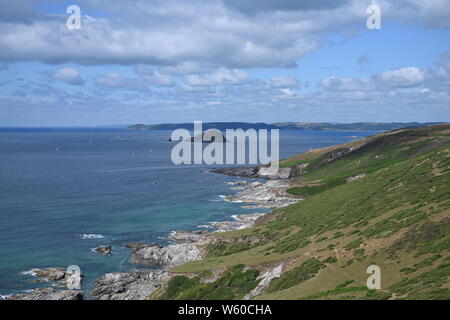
{"type": "Point", "coordinates": [60, 276]}
{"type": "Point", "coordinates": [265, 281]}
{"type": "Point", "coordinates": [270, 194]}
{"type": "Point", "coordinates": [262, 172]}
{"type": "Point", "coordinates": [104, 250]}
{"type": "Point", "coordinates": [246, 172]}
{"type": "Point", "coordinates": [170, 256]}
{"type": "Point", "coordinates": [188, 236]}
{"type": "Point", "coordinates": [135, 285]}
{"type": "Point", "coordinates": [50, 274]}
{"type": "Point", "coordinates": [48, 294]}
{"type": "Point", "coordinates": [359, 176]}
{"type": "Point", "coordinates": [241, 221]}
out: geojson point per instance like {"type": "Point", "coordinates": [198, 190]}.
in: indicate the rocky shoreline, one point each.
{"type": "Point", "coordinates": [57, 277]}
{"type": "Point", "coordinates": [262, 172]}
{"type": "Point", "coordinates": [187, 246]}
{"type": "Point", "coordinates": [270, 194]}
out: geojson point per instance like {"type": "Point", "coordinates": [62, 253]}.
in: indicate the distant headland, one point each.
{"type": "Point", "coordinates": [357, 126]}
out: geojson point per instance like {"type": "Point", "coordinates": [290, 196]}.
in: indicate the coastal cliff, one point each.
{"type": "Point", "coordinates": [382, 200]}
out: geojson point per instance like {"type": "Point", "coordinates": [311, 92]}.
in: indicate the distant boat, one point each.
{"type": "Point", "coordinates": [57, 150]}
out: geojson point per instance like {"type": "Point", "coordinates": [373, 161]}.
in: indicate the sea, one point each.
{"type": "Point", "coordinates": [66, 191]}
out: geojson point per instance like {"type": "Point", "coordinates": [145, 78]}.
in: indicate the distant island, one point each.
{"type": "Point", "coordinates": [357, 126]}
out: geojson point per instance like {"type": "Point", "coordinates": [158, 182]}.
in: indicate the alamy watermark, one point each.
{"type": "Point", "coordinates": [374, 19]}
{"type": "Point", "coordinates": [230, 148]}
{"type": "Point", "coordinates": [73, 22]}
{"type": "Point", "coordinates": [374, 280]}
{"type": "Point", "coordinates": [73, 278]}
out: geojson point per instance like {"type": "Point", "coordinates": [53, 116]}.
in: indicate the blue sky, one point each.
{"type": "Point", "coordinates": [223, 60]}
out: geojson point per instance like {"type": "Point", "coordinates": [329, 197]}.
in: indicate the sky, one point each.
{"type": "Point", "coordinates": [158, 61]}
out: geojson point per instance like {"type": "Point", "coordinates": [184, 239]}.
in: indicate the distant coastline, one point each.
{"type": "Point", "coordinates": [319, 126]}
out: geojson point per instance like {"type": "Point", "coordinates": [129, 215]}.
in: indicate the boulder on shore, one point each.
{"type": "Point", "coordinates": [48, 294]}
{"type": "Point", "coordinates": [170, 256]}
{"type": "Point", "coordinates": [60, 276]}
{"type": "Point", "coordinates": [135, 285]}
{"type": "Point", "coordinates": [263, 172]}
{"type": "Point", "coordinates": [104, 250]}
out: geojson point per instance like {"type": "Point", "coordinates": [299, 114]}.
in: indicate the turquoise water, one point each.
{"type": "Point", "coordinates": [64, 192]}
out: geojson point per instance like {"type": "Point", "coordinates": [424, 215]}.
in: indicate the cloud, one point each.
{"type": "Point", "coordinates": [210, 36]}
{"type": "Point", "coordinates": [391, 79]}
{"type": "Point", "coordinates": [434, 13]}
{"type": "Point", "coordinates": [186, 67]}
{"type": "Point", "coordinates": [404, 77]}
{"type": "Point", "coordinates": [195, 36]}
{"type": "Point", "coordinates": [20, 11]}
{"type": "Point", "coordinates": [222, 76]}
{"type": "Point", "coordinates": [142, 83]}
{"type": "Point", "coordinates": [252, 7]}
{"type": "Point", "coordinates": [285, 81]}
{"type": "Point", "coordinates": [348, 84]}
{"type": "Point", "coordinates": [69, 75]}
{"type": "Point", "coordinates": [115, 81]}
{"type": "Point", "coordinates": [112, 80]}
{"type": "Point", "coordinates": [381, 97]}
{"type": "Point", "coordinates": [200, 51]}
{"type": "Point", "coordinates": [154, 77]}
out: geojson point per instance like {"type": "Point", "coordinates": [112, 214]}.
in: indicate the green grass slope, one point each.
{"type": "Point", "coordinates": [382, 200]}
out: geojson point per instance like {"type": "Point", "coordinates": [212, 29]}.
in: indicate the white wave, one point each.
{"type": "Point", "coordinates": [91, 236]}
{"type": "Point", "coordinates": [31, 272]}
{"type": "Point", "coordinates": [207, 226]}
{"type": "Point", "coordinates": [173, 233]}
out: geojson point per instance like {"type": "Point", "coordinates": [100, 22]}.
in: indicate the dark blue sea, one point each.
{"type": "Point", "coordinates": [65, 191]}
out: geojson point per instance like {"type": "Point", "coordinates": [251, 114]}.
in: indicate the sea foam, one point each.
{"type": "Point", "coordinates": [91, 236]}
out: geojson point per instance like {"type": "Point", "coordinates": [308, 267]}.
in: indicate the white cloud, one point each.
{"type": "Point", "coordinates": [348, 84]}
{"type": "Point", "coordinates": [197, 35]}
{"type": "Point", "coordinates": [69, 75]}
{"type": "Point", "coordinates": [398, 78]}
{"type": "Point", "coordinates": [285, 81]}
{"type": "Point", "coordinates": [222, 76]}
{"type": "Point", "coordinates": [404, 77]}
{"type": "Point", "coordinates": [434, 13]}
{"type": "Point", "coordinates": [154, 77]}
{"type": "Point", "coordinates": [111, 79]}
{"type": "Point", "coordinates": [289, 93]}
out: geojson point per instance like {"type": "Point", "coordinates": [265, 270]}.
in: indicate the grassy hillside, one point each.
{"type": "Point", "coordinates": [382, 200]}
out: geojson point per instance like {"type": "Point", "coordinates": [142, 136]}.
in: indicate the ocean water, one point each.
{"type": "Point", "coordinates": [64, 192]}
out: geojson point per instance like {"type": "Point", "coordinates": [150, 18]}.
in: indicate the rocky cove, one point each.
{"type": "Point", "coordinates": [185, 246]}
